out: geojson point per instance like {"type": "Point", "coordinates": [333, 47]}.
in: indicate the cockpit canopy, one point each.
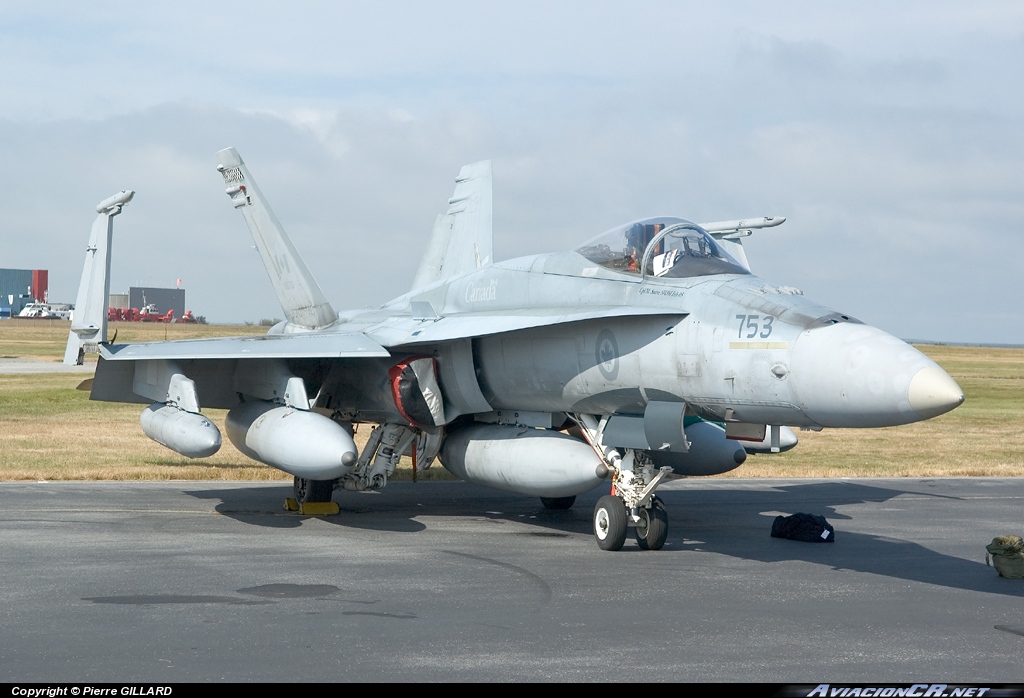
{"type": "Point", "coordinates": [664, 247]}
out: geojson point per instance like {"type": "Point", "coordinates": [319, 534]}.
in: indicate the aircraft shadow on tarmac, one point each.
{"type": "Point", "coordinates": [735, 523]}
{"type": "Point", "coordinates": [264, 506]}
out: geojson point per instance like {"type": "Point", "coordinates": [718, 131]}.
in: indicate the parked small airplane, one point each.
{"type": "Point", "coordinates": [647, 352]}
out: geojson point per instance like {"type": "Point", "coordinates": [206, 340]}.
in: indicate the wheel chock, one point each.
{"type": "Point", "coordinates": [320, 509]}
{"type": "Point", "coordinates": [312, 508]}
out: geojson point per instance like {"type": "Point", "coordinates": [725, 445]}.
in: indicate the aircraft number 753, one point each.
{"type": "Point", "coordinates": [750, 323]}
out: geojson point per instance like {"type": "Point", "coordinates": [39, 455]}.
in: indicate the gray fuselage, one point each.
{"type": "Point", "coordinates": [732, 346]}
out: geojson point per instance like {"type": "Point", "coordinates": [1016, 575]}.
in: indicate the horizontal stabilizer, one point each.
{"type": "Point", "coordinates": [462, 239]}
{"type": "Point", "coordinates": [301, 298]}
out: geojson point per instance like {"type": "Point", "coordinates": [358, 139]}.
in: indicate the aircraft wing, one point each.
{"type": "Point", "coordinates": [290, 346]}
{"type": "Point", "coordinates": [257, 365]}
{"type": "Point", "coordinates": [340, 345]}
{"type": "Point", "coordinates": [221, 367]}
{"type": "Point", "coordinates": [468, 325]}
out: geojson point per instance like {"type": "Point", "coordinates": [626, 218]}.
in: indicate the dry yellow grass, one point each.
{"type": "Point", "coordinates": [52, 431]}
{"type": "Point", "coordinates": [44, 340]}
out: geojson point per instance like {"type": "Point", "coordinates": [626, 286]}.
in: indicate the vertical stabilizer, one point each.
{"type": "Point", "coordinates": [301, 298]}
{"type": "Point", "coordinates": [89, 320]}
{"type": "Point", "coordinates": [462, 238]}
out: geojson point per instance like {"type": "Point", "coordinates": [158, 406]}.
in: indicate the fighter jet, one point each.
{"type": "Point", "coordinates": [648, 352]}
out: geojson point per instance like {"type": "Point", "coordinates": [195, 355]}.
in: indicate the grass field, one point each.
{"type": "Point", "coordinates": [50, 431]}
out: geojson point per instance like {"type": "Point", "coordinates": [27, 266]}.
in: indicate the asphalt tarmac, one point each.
{"type": "Point", "coordinates": [11, 365]}
{"type": "Point", "coordinates": [439, 581]}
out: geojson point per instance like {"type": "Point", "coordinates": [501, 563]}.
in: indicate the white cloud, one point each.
{"type": "Point", "coordinates": [890, 137]}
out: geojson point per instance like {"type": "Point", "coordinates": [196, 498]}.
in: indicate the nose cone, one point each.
{"type": "Point", "coordinates": [933, 392]}
{"type": "Point", "coordinates": [851, 375]}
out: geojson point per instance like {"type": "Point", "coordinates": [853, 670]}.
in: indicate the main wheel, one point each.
{"type": "Point", "coordinates": [308, 491]}
{"type": "Point", "coordinates": [652, 528]}
{"type": "Point", "coordinates": [610, 523]}
{"type": "Point", "coordinates": [558, 502]}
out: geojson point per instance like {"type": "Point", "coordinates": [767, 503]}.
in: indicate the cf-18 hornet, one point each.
{"type": "Point", "coordinates": [648, 352]}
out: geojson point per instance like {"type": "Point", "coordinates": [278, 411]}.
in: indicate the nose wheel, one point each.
{"type": "Point", "coordinates": [610, 523]}
{"type": "Point", "coordinates": [652, 528]}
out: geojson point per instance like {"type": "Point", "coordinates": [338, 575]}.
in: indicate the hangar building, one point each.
{"type": "Point", "coordinates": [19, 287]}
{"type": "Point", "coordinates": [163, 298]}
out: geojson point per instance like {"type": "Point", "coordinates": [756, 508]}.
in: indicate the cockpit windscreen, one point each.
{"type": "Point", "coordinates": [665, 247]}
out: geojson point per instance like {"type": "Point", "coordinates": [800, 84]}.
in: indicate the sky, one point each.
{"type": "Point", "coordinates": [890, 135]}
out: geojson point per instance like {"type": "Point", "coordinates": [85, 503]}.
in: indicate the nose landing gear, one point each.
{"type": "Point", "coordinates": [612, 519]}
{"type": "Point", "coordinates": [632, 502]}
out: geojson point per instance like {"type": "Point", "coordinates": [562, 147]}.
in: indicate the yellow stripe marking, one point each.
{"type": "Point", "coordinates": [759, 345]}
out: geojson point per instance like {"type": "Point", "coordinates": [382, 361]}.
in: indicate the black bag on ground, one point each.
{"type": "Point", "coordinates": [809, 528]}
{"type": "Point", "coordinates": [1007, 556]}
